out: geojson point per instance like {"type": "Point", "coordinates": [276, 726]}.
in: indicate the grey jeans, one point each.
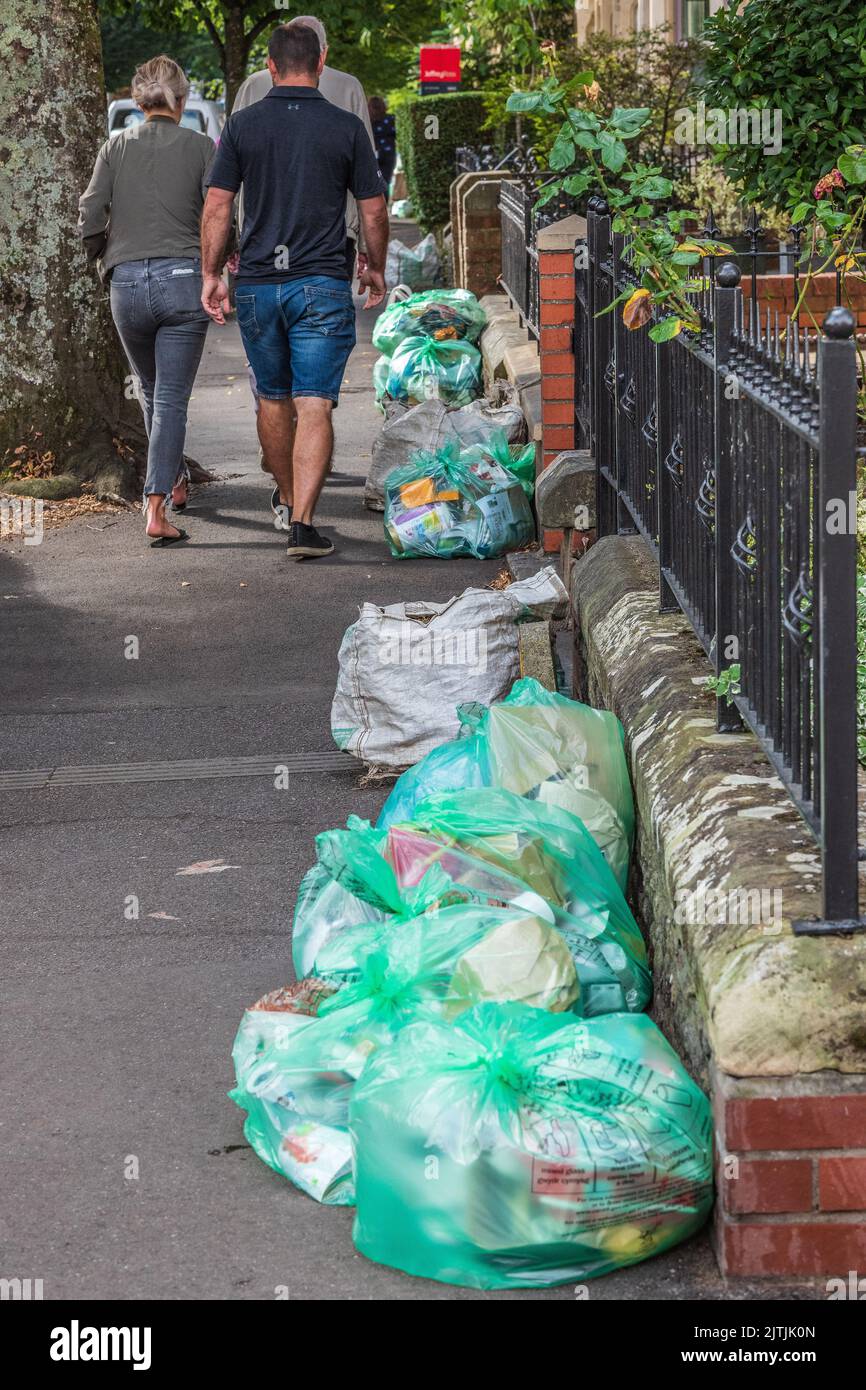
{"type": "Point", "coordinates": [156, 306]}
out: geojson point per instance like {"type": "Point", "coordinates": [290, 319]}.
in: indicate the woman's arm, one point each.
{"type": "Point", "coordinates": [94, 206]}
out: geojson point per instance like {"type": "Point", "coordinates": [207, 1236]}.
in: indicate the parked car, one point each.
{"type": "Point", "coordinates": [205, 116]}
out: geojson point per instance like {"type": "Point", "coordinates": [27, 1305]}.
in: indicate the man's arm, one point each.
{"type": "Point", "coordinates": [374, 222]}
{"type": "Point", "coordinates": [215, 225]}
{"type": "Point", "coordinates": [358, 104]}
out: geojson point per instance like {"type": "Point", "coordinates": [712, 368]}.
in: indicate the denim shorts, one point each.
{"type": "Point", "coordinates": [297, 335]}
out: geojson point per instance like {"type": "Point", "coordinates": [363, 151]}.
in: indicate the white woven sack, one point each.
{"type": "Point", "coordinates": [404, 669]}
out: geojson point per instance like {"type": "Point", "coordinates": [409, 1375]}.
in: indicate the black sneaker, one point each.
{"type": "Point", "coordinates": [306, 543]}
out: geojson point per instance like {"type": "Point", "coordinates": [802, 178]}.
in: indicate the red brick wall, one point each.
{"type": "Point", "coordinates": [777, 291]}
{"type": "Point", "coordinates": [556, 314]}
{"type": "Point", "coordinates": [793, 1200]}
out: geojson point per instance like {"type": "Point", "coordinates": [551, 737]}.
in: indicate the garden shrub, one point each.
{"type": "Point", "coordinates": [429, 131]}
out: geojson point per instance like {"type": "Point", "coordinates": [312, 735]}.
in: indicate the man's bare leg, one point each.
{"type": "Point", "coordinates": [314, 443]}
{"type": "Point", "coordinates": [275, 423]}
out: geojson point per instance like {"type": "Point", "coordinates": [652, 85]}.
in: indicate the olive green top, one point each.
{"type": "Point", "coordinates": [147, 192]}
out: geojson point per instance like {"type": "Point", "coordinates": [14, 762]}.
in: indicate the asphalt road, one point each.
{"type": "Point", "coordinates": [124, 1169]}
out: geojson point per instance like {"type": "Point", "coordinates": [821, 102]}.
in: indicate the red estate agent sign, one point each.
{"type": "Point", "coordinates": [440, 68]}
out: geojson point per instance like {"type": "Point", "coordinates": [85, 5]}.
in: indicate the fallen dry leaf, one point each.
{"type": "Point", "coordinates": [206, 866]}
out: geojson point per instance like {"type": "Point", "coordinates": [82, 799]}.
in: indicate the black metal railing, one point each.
{"type": "Point", "coordinates": [733, 452]}
{"type": "Point", "coordinates": [521, 221]}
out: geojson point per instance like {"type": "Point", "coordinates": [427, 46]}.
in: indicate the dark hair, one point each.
{"type": "Point", "coordinates": [377, 108]}
{"type": "Point", "coordinates": [295, 48]}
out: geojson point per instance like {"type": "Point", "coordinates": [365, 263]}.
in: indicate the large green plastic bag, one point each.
{"type": "Point", "coordinates": [316, 1157]}
{"type": "Point", "coordinates": [443, 315]}
{"type": "Point", "coordinates": [444, 504]}
{"type": "Point", "coordinates": [297, 1083]}
{"type": "Point", "coordinates": [521, 1148]}
{"type": "Point", "coordinates": [543, 746]}
{"type": "Point", "coordinates": [421, 369]}
{"type": "Point", "coordinates": [366, 875]}
{"type": "Point", "coordinates": [487, 848]}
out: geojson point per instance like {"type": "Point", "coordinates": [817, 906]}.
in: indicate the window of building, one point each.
{"type": "Point", "coordinates": [693, 15]}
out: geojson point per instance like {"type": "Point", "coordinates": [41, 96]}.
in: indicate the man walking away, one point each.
{"type": "Point", "coordinates": [343, 90]}
{"type": "Point", "coordinates": [296, 156]}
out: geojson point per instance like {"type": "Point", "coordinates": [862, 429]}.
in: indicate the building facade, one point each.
{"type": "Point", "coordinates": [684, 17]}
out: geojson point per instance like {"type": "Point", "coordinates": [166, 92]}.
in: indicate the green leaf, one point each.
{"type": "Point", "coordinates": [525, 101]}
{"type": "Point", "coordinates": [583, 120]}
{"type": "Point", "coordinates": [613, 152]}
{"type": "Point", "coordinates": [629, 121]}
{"type": "Point", "coordinates": [852, 167]}
{"type": "Point", "coordinates": [562, 153]}
{"type": "Point", "coordinates": [549, 193]}
{"type": "Point", "coordinates": [577, 184]}
{"type": "Point", "coordinates": [685, 258]}
{"type": "Point", "coordinates": [800, 214]}
{"type": "Point", "coordinates": [667, 329]}
{"type": "Point", "coordinates": [653, 187]}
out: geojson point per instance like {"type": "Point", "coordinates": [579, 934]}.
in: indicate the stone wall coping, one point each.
{"type": "Point", "coordinates": [714, 818]}
{"type": "Point", "coordinates": [561, 235]}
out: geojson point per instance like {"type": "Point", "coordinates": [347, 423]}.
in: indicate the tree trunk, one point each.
{"type": "Point", "coordinates": [62, 369]}
{"type": "Point", "coordinates": [236, 51]}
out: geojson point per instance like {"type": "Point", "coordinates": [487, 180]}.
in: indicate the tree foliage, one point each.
{"type": "Point", "coordinates": [804, 58]}
{"type": "Point", "coordinates": [376, 40]}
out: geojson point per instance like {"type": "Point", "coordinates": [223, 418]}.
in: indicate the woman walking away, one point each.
{"type": "Point", "coordinates": [140, 216]}
{"type": "Point", "coordinates": [384, 136]}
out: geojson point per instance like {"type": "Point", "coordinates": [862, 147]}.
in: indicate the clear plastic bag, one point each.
{"type": "Point", "coordinates": [543, 746]}
{"type": "Point", "coordinates": [519, 1148]}
{"type": "Point", "coordinates": [444, 504]}
{"type": "Point", "coordinates": [422, 369]}
{"type": "Point", "coordinates": [444, 315]}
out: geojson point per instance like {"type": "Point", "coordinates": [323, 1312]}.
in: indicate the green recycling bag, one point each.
{"type": "Point", "coordinates": [488, 848]}
{"type": "Point", "coordinates": [543, 746]}
{"type": "Point", "coordinates": [443, 315]}
{"type": "Point", "coordinates": [365, 875]}
{"type": "Point", "coordinates": [422, 369]}
{"type": "Point", "coordinates": [445, 503]}
{"type": "Point", "coordinates": [295, 1075]}
{"type": "Point", "coordinates": [518, 1148]}
{"type": "Point", "coordinates": [555, 855]}
{"type": "Point", "coordinates": [517, 459]}
{"type": "Point", "coordinates": [316, 1157]}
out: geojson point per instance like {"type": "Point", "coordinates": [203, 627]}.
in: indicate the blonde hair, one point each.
{"type": "Point", "coordinates": [160, 82]}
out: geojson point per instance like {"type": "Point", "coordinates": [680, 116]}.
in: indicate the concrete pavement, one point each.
{"type": "Point", "coordinates": [124, 1169]}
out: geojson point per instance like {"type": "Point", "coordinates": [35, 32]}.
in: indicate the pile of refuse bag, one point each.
{"type": "Point", "coordinates": [465, 1056]}
{"type": "Point", "coordinates": [429, 425]}
{"type": "Point", "coordinates": [472, 501]}
{"type": "Point", "coordinates": [428, 346]}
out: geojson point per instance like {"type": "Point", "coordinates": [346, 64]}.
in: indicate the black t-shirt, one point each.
{"type": "Point", "coordinates": [296, 155]}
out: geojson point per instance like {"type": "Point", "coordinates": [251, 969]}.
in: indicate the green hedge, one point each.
{"type": "Point", "coordinates": [428, 159]}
